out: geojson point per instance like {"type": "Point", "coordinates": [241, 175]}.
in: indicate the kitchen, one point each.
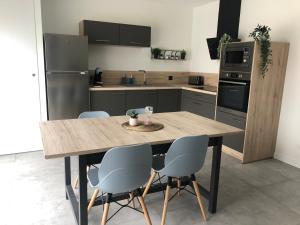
{"type": "Point", "coordinates": [155, 82]}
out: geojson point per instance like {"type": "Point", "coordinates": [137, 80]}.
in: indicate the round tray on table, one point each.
{"type": "Point", "coordinates": [144, 128]}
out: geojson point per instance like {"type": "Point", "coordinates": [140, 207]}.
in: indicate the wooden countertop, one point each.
{"type": "Point", "coordinates": [85, 136]}
{"type": "Point", "coordinates": [150, 87]}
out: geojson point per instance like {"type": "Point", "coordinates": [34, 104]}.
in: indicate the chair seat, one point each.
{"type": "Point", "coordinates": [158, 162]}
{"type": "Point", "coordinates": [92, 176]}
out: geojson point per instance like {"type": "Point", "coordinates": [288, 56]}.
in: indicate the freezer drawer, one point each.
{"type": "Point", "coordinates": [67, 95]}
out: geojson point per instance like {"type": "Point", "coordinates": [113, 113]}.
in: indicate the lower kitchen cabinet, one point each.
{"type": "Point", "coordinates": [141, 99]}
{"type": "Point", "coordinates": [168, 100]}
{"type": "Point", "coordinates": [198, 103]}
{"type": "Point", "coordinates": [235, 119]}
{"type": "Point", "coordinates": [113, 102]}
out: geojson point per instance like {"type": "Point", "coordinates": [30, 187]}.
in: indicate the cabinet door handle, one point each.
{"type": "Point", "coordinates": [136, 43]}
{"type": "Point", "coordinates": [117, 93]}
{"type": "Point", "coordinates": [102, 40]}
{"type": "Point", "coordinates": [237, 120]}
{"type": "Point", "coordinates": [197, 103]}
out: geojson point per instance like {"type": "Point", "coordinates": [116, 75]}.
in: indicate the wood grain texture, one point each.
{"type": "Point", "coordinates": [113, 77]}
{"type": "Point", "coordinates": [232, 152]}
{"type": "Point", "coordinates": [85, 136]}
{"type": "Point", "coordinates": [265, 104]}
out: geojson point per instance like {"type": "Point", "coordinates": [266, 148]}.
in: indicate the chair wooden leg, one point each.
{"type": "Point", "coordinates": [132, 198]}
{"type": "Point", "coordinates": [93, 198]}
{"type": "Point", "coordinates": [149, 184]}
{"type": "Point", "coordinates": [200, 202]}
{"type": "Point", "coordinates": [76, 183]}
{"type": "Point", "coordinates": [178, 186]}
{"type": "Point", "coordinates": [105, 214]}
{"type": "Point", "coordinates": [145, 210]}
{"type": "Point", "coordinates": [164, 214]}
{"type": "Point", "coordinates": [77, 178]}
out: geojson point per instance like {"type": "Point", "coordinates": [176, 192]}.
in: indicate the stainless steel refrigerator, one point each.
{"type": "Point", "coordinates": [67, 79]}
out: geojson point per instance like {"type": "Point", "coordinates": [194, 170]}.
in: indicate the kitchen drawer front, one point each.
{"type": "Point", "coordinates": [198, 107]}
{"type": "Point", "coordinates": [199, 96]}
{"type": "Point", "coordinates": [133, 35]}
{"type": "Point", "coordinates": [101, 32]}
{"type": "Point", "coordinates": [141, 99]}
{"type": "Point", "coordinates": [168, 101]}
{"type": "Point", "coordinates": [231, 119]}
{"type": "Point", "coordinates": [112, 102]}
{"type": "Point", "coordinates": [236, 141]}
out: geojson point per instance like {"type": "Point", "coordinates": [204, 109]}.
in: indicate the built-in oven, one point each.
{"type": "Point", "coordinates": [233, 92]}
{"type": "Point", "coordinates": [237, 56]}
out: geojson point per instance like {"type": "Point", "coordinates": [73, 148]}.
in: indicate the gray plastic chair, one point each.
{"type": "Point", "coordinates": [184, 158]}
{"type": "Point", "coordinates": [89, 115]}
{"type": "Point", "coordinates": [93, 114]}
{"type": "Point", "coordinates": [123, 169]}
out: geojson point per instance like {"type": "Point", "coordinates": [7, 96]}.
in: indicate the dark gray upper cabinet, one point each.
{"type": "Point", "coordinates": [168, 101]}
{"type": "Point", "coordinates": [141, 99]}
{"type": "Point", "coordinates": [115, 33]}
{"type": "Point", "coordinates": [132, 35]}
{"type": "Point", "coordinates": [100, 32]}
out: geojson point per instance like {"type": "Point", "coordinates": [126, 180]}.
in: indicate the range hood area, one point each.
{"type": "Point", "coordinates": [228, 22]}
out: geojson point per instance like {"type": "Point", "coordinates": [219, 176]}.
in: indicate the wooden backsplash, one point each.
{"type": "Point", "coordinates": [113, 77]}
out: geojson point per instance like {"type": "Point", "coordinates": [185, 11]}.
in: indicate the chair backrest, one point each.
{"type": "Point", "coordinates": [125, 168]}
{"type": "Point", "coordinates": [185, 156]}
{"type": "Point", "coordinates": [93, 114]}
{"type": "Point", "coordinates": [139, 111]}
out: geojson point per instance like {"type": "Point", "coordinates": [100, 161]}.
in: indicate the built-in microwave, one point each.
{"type": "Point", "coordinates": [237, 56]}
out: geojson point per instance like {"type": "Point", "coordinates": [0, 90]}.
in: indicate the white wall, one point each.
{"type": "Point", "coordinates": [283, 17]}
{"type": "Point", "coordinates": [171, 28]}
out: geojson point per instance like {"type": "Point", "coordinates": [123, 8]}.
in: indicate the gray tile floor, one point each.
{"type": "Point", "coordinates": [262, 193]}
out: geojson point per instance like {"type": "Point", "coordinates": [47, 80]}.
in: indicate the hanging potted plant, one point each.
{"type": "Point", "coordinates": [133, 120]}
{"type": "Point", "coordinates": [182, 54]}
{"type": "Point", "coordinates": [225, 39]}
{"type": "Point", "coordinates": [156, 53]}
{"type": "Point", "coordinates": [262, 36]}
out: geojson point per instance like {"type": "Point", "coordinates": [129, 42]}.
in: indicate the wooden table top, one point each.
{"type": "Point", "coordinates": [73, 137]}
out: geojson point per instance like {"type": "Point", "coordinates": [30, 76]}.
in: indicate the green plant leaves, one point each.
{"type": "Point", "coordinates": [261, 34]}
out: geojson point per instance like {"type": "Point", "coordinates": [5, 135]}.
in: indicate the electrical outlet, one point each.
{"type": "Point", "coordinates": [170, 77]}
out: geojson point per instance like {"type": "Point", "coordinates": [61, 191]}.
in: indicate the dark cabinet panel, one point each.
{"type": "Point", "coordinates": [113, 102]}
{"type": "Point", "coordinates": [198, 103]}
{"type": "Point", "coordinates": [133, 35]}
{"type": "Point", "coordinates": [199, 96]}
{"type": "Point", "coordinates": [168, 101]}
{"type": "Point", "coordinates": [100, 32]}
{"type": "Point", "coordinates": [141, 99]}
{"type": "Point", "coordinates": [235, 142]}
{"type": "Point", "coordinates": [198, 107]}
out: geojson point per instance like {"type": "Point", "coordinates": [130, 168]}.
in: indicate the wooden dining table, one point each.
{"type": "Point", "coordinates": [89, 139]}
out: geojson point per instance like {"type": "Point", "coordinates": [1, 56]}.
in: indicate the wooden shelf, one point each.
{"type": "Point", "coordinates": [169, 54]}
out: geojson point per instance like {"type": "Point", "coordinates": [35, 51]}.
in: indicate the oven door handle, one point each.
{"type": "Point", "coordinates": [233, 82]}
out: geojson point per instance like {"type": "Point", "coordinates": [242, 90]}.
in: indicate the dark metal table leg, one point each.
{"type": "Point", "coordinates": [82, 206]}
{"type": "Point", "coordinates": [215, 172]}
{"type": "Point", "coordinates": [67, 173]}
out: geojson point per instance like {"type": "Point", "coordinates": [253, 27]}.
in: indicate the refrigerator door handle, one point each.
{"type": "Point", "coordinates": [67, 72]}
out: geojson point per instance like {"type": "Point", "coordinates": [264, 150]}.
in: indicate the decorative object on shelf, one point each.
{"type": "Point", "coordinates": [143, 128]}
{"type": "Point", "coordinates": [182, 54]}
{"type": "Point", "coordinates": [225, 39]}
{"type": "Point", "coordinates": [148, 112]}
{"type": "Point", "coordinates": [168, 54]}
{"type": "Point", "coordinates": [262, 36]}
{"type": "Point", "coordinates": [156, 52]}
{"type": "Point", "coordinates": [133, 120]}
